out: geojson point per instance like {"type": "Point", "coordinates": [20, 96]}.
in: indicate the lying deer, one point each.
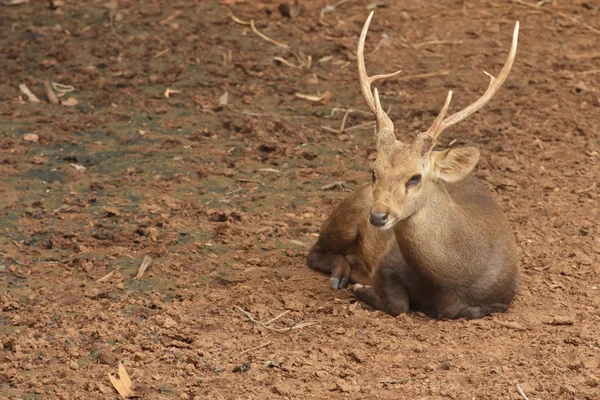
{"type": "Point", "coordinates": [426, 235]}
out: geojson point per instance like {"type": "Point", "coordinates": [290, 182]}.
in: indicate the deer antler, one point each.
{"type": "Point", "coordinates": [383, 120]}
{"type": "Point", "coordinates": [440, 124]}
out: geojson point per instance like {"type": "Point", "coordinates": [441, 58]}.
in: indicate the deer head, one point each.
{"type": "Point", "coordinates": [404, 174]}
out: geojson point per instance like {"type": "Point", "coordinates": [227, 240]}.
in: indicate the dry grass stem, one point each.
{"type": "Point", "coordinates": [106, 277]}
{"type": "Point", "coordinates": [521, 392]}
{"type": "Point", "coordinates": [589, 72]}
{"type": "Point", "coordinates": [297, 242]}
{"type": "Point", "coordinates": [244, 180]}
{"type": "Point", "coordinates": [264, 325]}
{"type": "Point", "coordinates": [237, 20]}
{"type": "Point", "coordinates": [587, 189]}
{"type": "Point", "coordinates": [422, 76]}
{"type": "Point", "coordinates": [143, 267]}
{"type": "Point", "coordinates": [435, 42]}
{"type": "Point", "coordinates": [403, 380]}
{"type": "Point", "coordinates": [361, 126]}
{"type": "Point", "coordinates": [62, 89]}
{"type": "Point", "coordinates": [510, 325]}
{"type": "Point", "coordinates": [273, 115]}
{"type": "Point", "coordinates": [562, 14]}
{"type": "Point", "coordinates": [285, 62]}
{"type": "Point", "coordinates": [260, 346]}
{"type": "Point", "coordinates": [269, 170]}
{"type": "Point", "coordinates": [170, 18]}
{"type": "Point", "coordinates": [161, 53]}
{"type": "Point", "coordinates": [333, 185]}
{"type": "Point", "coordinates": [277, 317]}
{"type": "Point", "coordinates": [265, 37]}
{"type": "Point", "coordinates": [239, 189]}
{"type": "Point", "coordinates": [343, 125]}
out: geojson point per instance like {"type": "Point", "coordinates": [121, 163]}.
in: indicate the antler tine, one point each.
{"type": "Point", "coordinates": [434, 131]}
{"type": "Point", "coordinates": [493, 87]}
{"type": "Point", "coordinates": [365, 80]}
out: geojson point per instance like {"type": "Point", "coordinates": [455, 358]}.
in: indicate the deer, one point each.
{"type": "Point", "coordinates": [426, 235]}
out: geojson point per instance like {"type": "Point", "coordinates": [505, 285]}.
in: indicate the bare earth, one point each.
{"type": "Point", "coordinates": [227, 200]}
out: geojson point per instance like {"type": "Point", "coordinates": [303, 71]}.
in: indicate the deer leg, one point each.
{"type": "Point", "coordinates": [335, 264]}
{"type": "Point", "coordinates": [389, 296]}
{"type": "Point", "coordinates": [368, 295]}
{"type": "Point", "coordinates": [475, 312]}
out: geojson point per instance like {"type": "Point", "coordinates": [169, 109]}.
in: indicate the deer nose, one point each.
{"type": "Point", "coordinates": [378, 218]}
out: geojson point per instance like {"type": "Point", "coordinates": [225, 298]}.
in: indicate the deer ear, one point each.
{"type": "Point", "coordinates": [454, 165]}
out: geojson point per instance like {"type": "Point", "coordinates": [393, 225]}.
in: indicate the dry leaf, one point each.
{"type": "Point", "coordinates": [70, 102]}
{"type": "Point", "coordinates": [324, 98]}
{"type": "Point", "coordinates": [31, 137]}
{"type": "Point", "coordinates": [224, 99]}
{"type": "Point", "coordinates": [123, 384]}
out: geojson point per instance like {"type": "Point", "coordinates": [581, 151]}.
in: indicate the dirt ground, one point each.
{"type": "Point", "coordinates": [225, 194]}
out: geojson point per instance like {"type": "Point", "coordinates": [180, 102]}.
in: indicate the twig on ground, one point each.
{"type": "Point", "coordinates": [285, 62]}
{"type": "Point", "coordinates": [50, 93]}
{"type": "Point", "coordinates": [12, 257]}
{"type": "Point", "coordinates": [343, 126]}
{"type": "Point", "coordinates": [170, 18]}
{"type": "Point", "coordinates": [106, 277]}
{"type": "Point", "coordinates": [336, 110]}
{"type": "Point", "coordinates": [403, 380]}
{"type": "Point", "coordinates": [277, 317]}
{"type": "Point", "coordinates": [239, 189]}
{"type": "Point", "coordinates": [587, 189]}
{"type": "Point", "coordinates": [264, 325]}
{"type": "Point", "coordinates": [435, 42]}
{"type": "Point", "coordinates": [260, 346]}
{"type": "Point", "coordinates": [420, 76]}
{"type": "Point", "coordinates": [265, 37]}
{"type": "Point", "coordinates": [588, 72]}
{"type": "Point", "coordinates": [586, 56]}
{"type": "Point", "coordinates": [253, 114]}
{"type": "Point", "coordinates": [237, 20]}
{"type": "Point", "coordinates": [510, 325]}
{"type": "Point", "coordinates": [521, 392]}
{"type": "Point", "coordinates": [145, 264]}
{"type": "Point", "coordinates": [162, 53]}
{"type": "Point", "coordinates": [562, 14]}
{"type": "Point", "coordinates": [360, 126]}
{"type": "Point", "coordinates": [269, 170]}
{"type": "Point", "coordinates": [30, 96]}
{"type": "Point", "coordinates": [244, 180]}
{"type": "Point", "coordinates": [334, 185]}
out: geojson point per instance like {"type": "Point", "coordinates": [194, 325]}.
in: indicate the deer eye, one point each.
{"type": "Point", "coordinates": [414, 181]}
{"type": "Point", "coordinates": [373, 176]}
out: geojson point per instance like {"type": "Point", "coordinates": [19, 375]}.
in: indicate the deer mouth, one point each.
{"type": "Point", "coordinates": [388, 225]}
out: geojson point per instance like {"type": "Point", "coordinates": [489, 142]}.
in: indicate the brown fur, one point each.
{"type": "Point", "coordinates": [426, 235]}
{"type": "Point", "coordinates": [455, 257]}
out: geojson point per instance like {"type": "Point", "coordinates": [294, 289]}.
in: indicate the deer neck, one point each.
{"type": "Point", "coordinates": [428, 236]}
